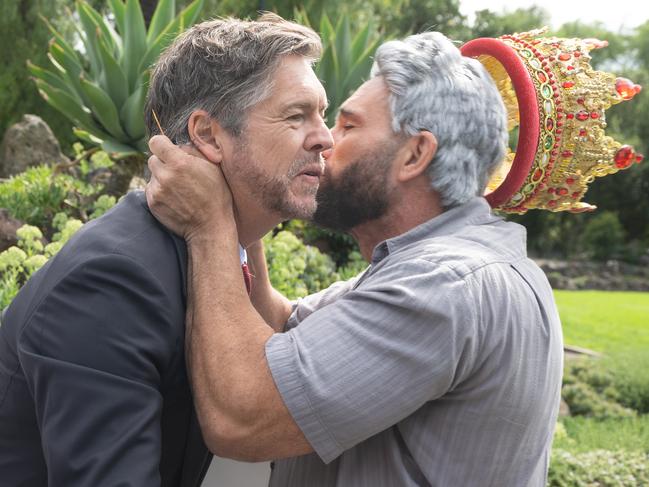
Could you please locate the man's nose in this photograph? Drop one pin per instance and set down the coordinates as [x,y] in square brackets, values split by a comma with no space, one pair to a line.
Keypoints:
[320,140]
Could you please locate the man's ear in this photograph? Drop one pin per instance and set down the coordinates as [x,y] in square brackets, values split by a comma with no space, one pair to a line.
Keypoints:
[421,149]
[207,135]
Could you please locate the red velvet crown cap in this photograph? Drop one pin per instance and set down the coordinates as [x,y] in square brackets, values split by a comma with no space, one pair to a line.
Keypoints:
[529,128]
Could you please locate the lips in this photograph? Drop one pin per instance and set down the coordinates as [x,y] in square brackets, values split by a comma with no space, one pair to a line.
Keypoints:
[314,170]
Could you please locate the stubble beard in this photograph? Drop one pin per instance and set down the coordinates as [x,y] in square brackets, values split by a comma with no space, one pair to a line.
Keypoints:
[275,193]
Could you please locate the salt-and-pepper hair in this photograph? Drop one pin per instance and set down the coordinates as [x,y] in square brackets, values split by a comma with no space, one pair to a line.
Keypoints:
[224,67]
[434,88]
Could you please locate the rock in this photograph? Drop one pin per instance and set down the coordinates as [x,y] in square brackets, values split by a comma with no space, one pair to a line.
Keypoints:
[8,227]
[27,143]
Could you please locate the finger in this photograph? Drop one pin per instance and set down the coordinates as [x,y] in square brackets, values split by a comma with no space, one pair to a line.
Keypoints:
[156,166]
[166,150]
[151,190]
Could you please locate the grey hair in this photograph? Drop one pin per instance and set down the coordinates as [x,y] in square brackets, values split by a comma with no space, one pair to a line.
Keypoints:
[434,88]
[224,67]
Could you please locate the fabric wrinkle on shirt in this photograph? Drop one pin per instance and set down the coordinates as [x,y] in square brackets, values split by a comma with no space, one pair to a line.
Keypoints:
[439,365]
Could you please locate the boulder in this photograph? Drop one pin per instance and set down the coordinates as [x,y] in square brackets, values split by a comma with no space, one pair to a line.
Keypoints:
[27,143]
[8,227]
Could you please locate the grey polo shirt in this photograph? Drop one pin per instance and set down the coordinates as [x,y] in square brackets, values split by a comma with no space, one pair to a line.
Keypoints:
[440,365]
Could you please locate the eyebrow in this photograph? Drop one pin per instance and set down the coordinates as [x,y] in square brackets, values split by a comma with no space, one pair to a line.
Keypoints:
[302,105]
[347,113]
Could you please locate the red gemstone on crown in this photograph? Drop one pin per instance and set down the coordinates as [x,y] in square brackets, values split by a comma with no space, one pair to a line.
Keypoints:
[570,181]
[568,84]
[562,191]
[594,115]
[626,88]
[624,157]
[566,153]
[582,115]
[564,56]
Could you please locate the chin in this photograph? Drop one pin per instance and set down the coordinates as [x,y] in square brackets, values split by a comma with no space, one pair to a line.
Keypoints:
[303,210]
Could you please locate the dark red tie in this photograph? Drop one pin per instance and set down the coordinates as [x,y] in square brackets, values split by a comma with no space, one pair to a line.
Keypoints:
[247,278]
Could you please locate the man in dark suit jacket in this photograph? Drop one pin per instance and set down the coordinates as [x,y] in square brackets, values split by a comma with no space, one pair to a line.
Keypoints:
[93,385]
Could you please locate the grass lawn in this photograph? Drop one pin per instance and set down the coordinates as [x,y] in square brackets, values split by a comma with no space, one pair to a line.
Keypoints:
[605,321]
[585,434]
[616,324]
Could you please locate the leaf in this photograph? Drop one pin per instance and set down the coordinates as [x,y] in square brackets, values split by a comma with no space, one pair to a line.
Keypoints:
[132,114]
[69,67]
[359,73]
[190,13]
[86,136]
[69,107]
[325,71]
[112,38]
[169,33]
[104,109]
[53,80]
[343,43]
[134,41]
[117,150]
[112,74]
[360,42]
[119,11]
[163,15]
[60,40]
[90,29]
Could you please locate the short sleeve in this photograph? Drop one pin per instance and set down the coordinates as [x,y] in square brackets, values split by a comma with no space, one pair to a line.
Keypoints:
[303,307]
[371,358]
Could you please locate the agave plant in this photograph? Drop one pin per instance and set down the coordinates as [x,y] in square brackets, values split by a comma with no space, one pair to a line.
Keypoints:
[346,57]
[103,89]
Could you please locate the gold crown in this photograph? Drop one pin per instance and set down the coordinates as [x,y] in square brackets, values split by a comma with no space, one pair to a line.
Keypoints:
[557,102]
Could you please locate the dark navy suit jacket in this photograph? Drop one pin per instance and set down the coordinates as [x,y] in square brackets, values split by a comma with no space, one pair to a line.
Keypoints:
[93,386]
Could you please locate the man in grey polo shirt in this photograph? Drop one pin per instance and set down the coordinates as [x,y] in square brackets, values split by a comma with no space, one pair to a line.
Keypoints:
[440,364]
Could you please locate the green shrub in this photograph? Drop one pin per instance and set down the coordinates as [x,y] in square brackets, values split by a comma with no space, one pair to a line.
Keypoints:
[603,236]
[629,373]
[340,246]
[589,390]
[297,269]
[41,192]
[18,263]
[598,468]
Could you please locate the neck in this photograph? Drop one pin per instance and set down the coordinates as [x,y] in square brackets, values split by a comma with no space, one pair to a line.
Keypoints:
[252,221]
[416,206]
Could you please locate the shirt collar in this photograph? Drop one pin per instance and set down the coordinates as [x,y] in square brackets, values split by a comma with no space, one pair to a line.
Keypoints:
[474,211]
